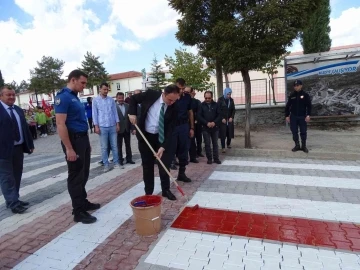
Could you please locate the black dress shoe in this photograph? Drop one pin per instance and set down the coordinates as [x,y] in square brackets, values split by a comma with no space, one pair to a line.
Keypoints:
[92,206]
[18,209]
[168,194]
[84,217]
[173,167]
[217,161]
[305,150]
[24,203]
[183,178]
[130,162]
[194,161]
[209,162]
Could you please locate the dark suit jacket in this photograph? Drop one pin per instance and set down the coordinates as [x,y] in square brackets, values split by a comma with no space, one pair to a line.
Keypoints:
[147,99]
[125,124]
[226,113]
[7,136]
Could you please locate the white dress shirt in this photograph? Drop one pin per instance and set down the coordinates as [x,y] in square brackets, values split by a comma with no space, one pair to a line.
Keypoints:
[152,118]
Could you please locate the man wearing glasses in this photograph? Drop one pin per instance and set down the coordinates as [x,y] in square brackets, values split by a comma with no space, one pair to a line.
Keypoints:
[209,117]
[297,113]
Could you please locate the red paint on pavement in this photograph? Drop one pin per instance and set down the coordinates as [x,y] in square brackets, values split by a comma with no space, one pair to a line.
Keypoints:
[285,229]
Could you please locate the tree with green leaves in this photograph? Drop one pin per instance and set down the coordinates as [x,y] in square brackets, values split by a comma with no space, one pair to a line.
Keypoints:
[2,82]
[157,75]
[190,67]
[19,88]
[46,78]
[241,35]
[271,69]
[95,70]
[316,36]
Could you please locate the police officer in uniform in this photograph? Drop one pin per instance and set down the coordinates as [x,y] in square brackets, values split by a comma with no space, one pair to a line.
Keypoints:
[73,131]
[297,113]
[184,130]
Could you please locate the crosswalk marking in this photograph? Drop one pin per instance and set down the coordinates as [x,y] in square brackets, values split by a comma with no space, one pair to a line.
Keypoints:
[313,181]
[334,211]
[28,164]
[69,248]
[14,222]
[46,182]
[304,166]
[193,250]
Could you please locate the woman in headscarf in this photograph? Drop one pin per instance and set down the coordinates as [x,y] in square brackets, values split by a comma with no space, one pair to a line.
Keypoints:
[227,111]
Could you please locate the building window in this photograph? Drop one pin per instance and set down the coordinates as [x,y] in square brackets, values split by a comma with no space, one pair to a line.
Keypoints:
[118,86]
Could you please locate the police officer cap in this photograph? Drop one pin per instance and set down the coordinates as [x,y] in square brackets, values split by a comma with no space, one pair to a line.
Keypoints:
[297,82]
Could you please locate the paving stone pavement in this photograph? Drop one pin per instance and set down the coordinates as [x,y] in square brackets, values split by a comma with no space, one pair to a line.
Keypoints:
[274,214]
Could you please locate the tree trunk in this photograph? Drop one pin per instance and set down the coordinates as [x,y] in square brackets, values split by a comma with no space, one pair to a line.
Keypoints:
[246,78]
[219,79]
[227,84]
[273,88]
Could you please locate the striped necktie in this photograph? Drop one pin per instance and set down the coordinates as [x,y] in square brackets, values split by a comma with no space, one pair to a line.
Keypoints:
[161,124]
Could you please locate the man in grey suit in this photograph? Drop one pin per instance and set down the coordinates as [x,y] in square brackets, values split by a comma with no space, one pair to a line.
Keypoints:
[125,129]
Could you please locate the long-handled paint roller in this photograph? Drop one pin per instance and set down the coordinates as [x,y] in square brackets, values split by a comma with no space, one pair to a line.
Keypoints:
[164,167]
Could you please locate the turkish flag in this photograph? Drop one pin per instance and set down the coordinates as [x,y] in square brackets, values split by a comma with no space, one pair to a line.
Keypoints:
[44,104]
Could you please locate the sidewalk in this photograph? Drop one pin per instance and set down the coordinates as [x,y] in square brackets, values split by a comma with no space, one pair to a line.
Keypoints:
[277,142]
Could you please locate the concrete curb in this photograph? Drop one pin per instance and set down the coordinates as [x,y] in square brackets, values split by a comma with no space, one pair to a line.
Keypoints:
[288,154]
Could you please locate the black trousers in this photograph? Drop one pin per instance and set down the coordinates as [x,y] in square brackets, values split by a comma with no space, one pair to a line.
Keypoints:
[43,129]
[33,131]
[227,137]
[148,158]
[195,143]
[180,144]
[211,136]
[10,176]
[295,124]
[126,137]
[78,171]
[90,121]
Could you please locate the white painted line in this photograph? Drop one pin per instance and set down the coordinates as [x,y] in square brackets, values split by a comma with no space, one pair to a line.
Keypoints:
[334,211]
[46,182]
[42,170]
[296,180]
[72,246]
[196,250]
[303,166]
[41,161]
[13,222]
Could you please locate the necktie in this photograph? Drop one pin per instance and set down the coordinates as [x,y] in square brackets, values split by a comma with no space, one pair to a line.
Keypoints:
[161,124]
[15,125]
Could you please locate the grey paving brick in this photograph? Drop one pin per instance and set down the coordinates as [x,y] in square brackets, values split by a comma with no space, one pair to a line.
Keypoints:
[288,191]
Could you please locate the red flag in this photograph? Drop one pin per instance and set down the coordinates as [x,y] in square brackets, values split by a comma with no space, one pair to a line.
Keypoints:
[44,104]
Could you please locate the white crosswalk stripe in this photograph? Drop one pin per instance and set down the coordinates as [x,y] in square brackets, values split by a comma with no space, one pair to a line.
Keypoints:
[186,249]
[305,166]
[311,181]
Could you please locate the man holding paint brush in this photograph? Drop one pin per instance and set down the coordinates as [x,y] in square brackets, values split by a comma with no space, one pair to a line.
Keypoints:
[157,120]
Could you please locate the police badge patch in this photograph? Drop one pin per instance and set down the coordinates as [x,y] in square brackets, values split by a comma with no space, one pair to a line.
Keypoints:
[57,101]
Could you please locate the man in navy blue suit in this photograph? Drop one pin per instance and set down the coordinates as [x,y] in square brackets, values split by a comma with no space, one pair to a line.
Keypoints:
[15,140]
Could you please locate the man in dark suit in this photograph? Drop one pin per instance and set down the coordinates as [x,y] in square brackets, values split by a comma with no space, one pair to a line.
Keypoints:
[15,140]
[125,129]
[157,120]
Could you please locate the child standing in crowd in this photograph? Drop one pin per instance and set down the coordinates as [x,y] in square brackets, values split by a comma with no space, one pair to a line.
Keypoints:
[30,118]
[41,122]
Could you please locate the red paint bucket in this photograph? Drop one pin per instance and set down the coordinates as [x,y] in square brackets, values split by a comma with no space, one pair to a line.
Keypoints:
[147,214]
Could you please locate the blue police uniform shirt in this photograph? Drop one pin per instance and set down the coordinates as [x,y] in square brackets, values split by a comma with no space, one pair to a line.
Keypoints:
[67,102]
[183,105]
